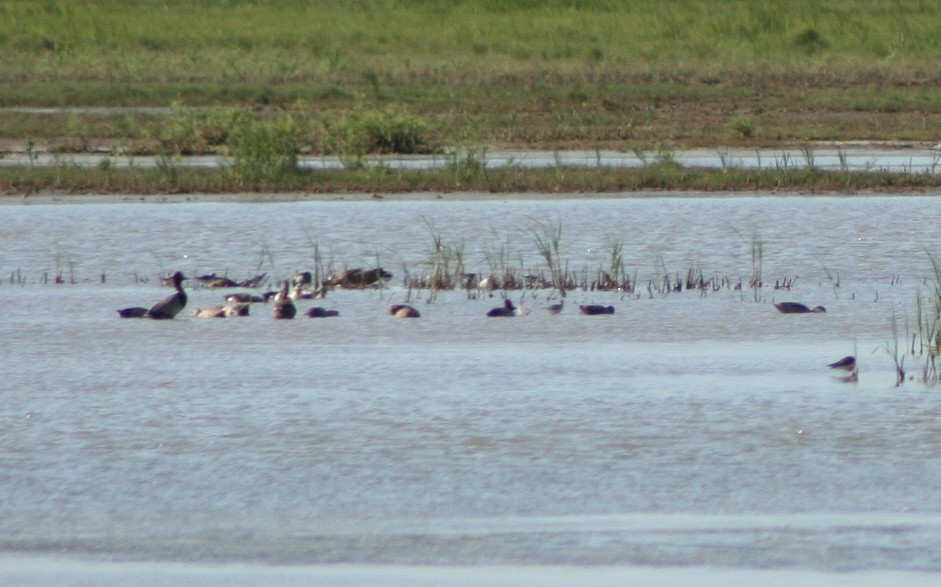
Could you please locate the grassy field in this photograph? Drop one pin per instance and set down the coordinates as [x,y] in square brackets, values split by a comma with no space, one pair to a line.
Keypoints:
[371,76]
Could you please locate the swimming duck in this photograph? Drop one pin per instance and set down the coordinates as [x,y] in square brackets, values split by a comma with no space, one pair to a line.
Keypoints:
[508,310]
[219,282]
[247,298]
[216,312]
[797,308]
[222,311]
[318,312]
[404,311]
[302,278]
[165,309]
[284,308]
[236,310]
[593,310]
[557,308]
[170,306]
[847,363]
[298,293]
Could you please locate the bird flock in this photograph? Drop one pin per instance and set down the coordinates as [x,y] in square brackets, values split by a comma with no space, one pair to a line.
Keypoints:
[284,308]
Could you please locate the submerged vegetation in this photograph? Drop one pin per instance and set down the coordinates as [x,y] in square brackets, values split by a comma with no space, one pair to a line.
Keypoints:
[352,79]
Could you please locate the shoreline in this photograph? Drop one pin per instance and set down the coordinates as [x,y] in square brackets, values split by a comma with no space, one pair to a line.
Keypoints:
[59,198]
[825,169]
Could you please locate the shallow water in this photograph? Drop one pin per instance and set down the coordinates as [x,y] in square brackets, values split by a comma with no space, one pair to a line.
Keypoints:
[850,159]
[685,429]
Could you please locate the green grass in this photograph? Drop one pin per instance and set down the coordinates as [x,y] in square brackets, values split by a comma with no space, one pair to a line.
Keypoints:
[168,177]
[142,52]
[357,77]
[325,36]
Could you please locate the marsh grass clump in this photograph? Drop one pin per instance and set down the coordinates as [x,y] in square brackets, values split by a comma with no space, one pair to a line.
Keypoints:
[757,248]
[928,315]
[467,165]
[198,131]
[548,238]
[896,352]
[265,151]
[446,261]
[497,258]
[360,132]
[743,126]
[77,136]
[615,276]
[810,41]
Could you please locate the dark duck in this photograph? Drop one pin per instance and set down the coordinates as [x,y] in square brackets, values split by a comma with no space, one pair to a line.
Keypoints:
[165,309]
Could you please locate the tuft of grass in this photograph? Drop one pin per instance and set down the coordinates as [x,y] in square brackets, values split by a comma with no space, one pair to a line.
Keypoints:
[198,131]
[896,352]
[446,261]
[810,41]
[360,132]
[757,247]
[548,239]
[743,126]
[929,324]
[467,165]
[264,151]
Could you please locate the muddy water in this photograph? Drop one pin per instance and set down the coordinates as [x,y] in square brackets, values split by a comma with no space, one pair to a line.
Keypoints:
[685,429]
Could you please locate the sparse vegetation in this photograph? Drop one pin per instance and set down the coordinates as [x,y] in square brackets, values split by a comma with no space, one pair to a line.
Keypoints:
[928,318]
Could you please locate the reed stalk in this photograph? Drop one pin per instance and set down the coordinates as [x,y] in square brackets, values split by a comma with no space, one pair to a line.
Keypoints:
[894,352]
[548,237]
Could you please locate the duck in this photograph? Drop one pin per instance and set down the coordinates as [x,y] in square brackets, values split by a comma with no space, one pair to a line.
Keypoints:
[247,298]
[318,312]
[171,305]
[166,308]
[557,308]
[847,363]
[284,308]
[797,308]
[220,282]
[508,310]
[595,310]
[222,311]
[215,312]
[234,310]
[404,311]
[298,293]
[302,278]
[136,312]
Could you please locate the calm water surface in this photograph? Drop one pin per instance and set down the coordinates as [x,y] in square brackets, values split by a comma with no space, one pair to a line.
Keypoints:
[682,430]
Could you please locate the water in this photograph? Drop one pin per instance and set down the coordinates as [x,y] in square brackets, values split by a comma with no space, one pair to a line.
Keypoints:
[850,159]
[684,436]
